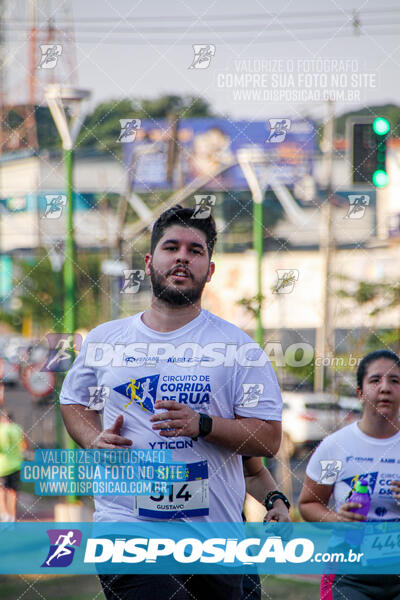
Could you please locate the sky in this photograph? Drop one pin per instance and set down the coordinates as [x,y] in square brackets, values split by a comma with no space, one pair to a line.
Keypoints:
[262,57]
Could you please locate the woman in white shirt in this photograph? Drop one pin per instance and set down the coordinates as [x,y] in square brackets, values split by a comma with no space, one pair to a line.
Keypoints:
[366,450]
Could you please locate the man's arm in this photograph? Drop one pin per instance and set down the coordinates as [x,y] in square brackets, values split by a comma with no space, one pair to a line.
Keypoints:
[244,435]
[259,482]
[85,428]
[248,436]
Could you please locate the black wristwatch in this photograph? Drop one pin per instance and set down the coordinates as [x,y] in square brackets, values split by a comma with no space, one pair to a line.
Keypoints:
[205,425]
[275,495]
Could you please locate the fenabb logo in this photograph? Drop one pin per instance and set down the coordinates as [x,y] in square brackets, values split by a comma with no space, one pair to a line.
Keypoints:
[62,547]
[192,550]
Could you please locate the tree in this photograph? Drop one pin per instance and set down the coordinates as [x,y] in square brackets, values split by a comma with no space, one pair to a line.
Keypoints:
[101,128]
[375,299]
[36,287]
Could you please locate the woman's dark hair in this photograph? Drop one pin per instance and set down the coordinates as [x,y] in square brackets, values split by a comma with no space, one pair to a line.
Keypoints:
[372,357]
[177,215]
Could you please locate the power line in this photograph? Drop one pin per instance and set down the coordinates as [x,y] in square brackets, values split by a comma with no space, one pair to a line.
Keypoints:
[233,28]
[235,40]
[229,17]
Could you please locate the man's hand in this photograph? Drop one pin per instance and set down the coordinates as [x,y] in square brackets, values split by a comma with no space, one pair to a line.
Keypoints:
[278,513]
[110,438]
[179,420]
[395,487]
[345,514]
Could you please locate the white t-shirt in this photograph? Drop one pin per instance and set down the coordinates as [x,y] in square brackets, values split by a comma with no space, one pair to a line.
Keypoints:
[348,455]
[209,364]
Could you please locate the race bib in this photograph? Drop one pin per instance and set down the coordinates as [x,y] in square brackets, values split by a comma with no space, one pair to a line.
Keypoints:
[184,499]
[383,544]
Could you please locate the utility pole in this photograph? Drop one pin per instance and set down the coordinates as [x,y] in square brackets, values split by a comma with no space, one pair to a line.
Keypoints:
[324,345]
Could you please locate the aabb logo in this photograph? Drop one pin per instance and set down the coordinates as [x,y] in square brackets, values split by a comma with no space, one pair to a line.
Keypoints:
[62,547]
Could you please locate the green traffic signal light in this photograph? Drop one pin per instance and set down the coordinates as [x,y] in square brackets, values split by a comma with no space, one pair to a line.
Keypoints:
[380,178]
[381,126]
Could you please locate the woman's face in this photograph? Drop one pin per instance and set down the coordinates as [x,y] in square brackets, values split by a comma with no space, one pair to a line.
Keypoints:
[380,393]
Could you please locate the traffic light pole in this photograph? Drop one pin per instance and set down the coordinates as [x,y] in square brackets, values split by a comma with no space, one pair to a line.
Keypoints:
[258,242]
[324,345]
[69,269]
[69,275]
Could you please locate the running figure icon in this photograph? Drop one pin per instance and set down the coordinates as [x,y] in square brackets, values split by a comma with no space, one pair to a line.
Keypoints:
[145,393]
[62,549]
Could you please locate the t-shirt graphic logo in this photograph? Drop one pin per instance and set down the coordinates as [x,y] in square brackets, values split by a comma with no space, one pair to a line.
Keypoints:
[61,551]
[370,477]
[251,394]
[330,470]
[143,391]
[98,396]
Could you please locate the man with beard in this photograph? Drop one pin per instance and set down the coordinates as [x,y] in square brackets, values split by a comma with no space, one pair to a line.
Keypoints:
[180,379]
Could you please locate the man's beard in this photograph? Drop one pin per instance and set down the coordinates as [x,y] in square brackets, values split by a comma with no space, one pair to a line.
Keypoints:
[172,295]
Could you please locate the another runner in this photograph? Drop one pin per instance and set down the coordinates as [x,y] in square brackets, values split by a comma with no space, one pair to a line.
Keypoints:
[367,450]
[12,445]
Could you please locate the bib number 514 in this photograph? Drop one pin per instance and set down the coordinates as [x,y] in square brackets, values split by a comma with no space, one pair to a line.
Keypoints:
[179,491]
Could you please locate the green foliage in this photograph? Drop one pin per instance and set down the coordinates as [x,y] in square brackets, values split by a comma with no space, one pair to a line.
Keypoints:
[304,374]
[184,106]
[48,136]
[101,128]
[252,305]
[36,288]
[377,298]
[39,291]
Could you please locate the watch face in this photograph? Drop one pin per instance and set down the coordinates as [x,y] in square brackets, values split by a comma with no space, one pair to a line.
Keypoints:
[271,498]
[205,425]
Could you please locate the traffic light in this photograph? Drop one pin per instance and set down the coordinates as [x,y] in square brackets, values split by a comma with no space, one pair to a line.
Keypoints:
[368,150]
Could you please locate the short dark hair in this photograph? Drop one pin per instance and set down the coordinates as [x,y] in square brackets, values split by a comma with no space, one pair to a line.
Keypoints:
[177,215]
[372,357]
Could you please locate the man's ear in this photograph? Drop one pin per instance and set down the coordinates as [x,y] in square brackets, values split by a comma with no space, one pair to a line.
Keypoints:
[211,270]
[147,263]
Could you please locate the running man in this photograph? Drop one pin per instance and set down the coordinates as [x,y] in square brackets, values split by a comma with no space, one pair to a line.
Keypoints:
[198,407]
